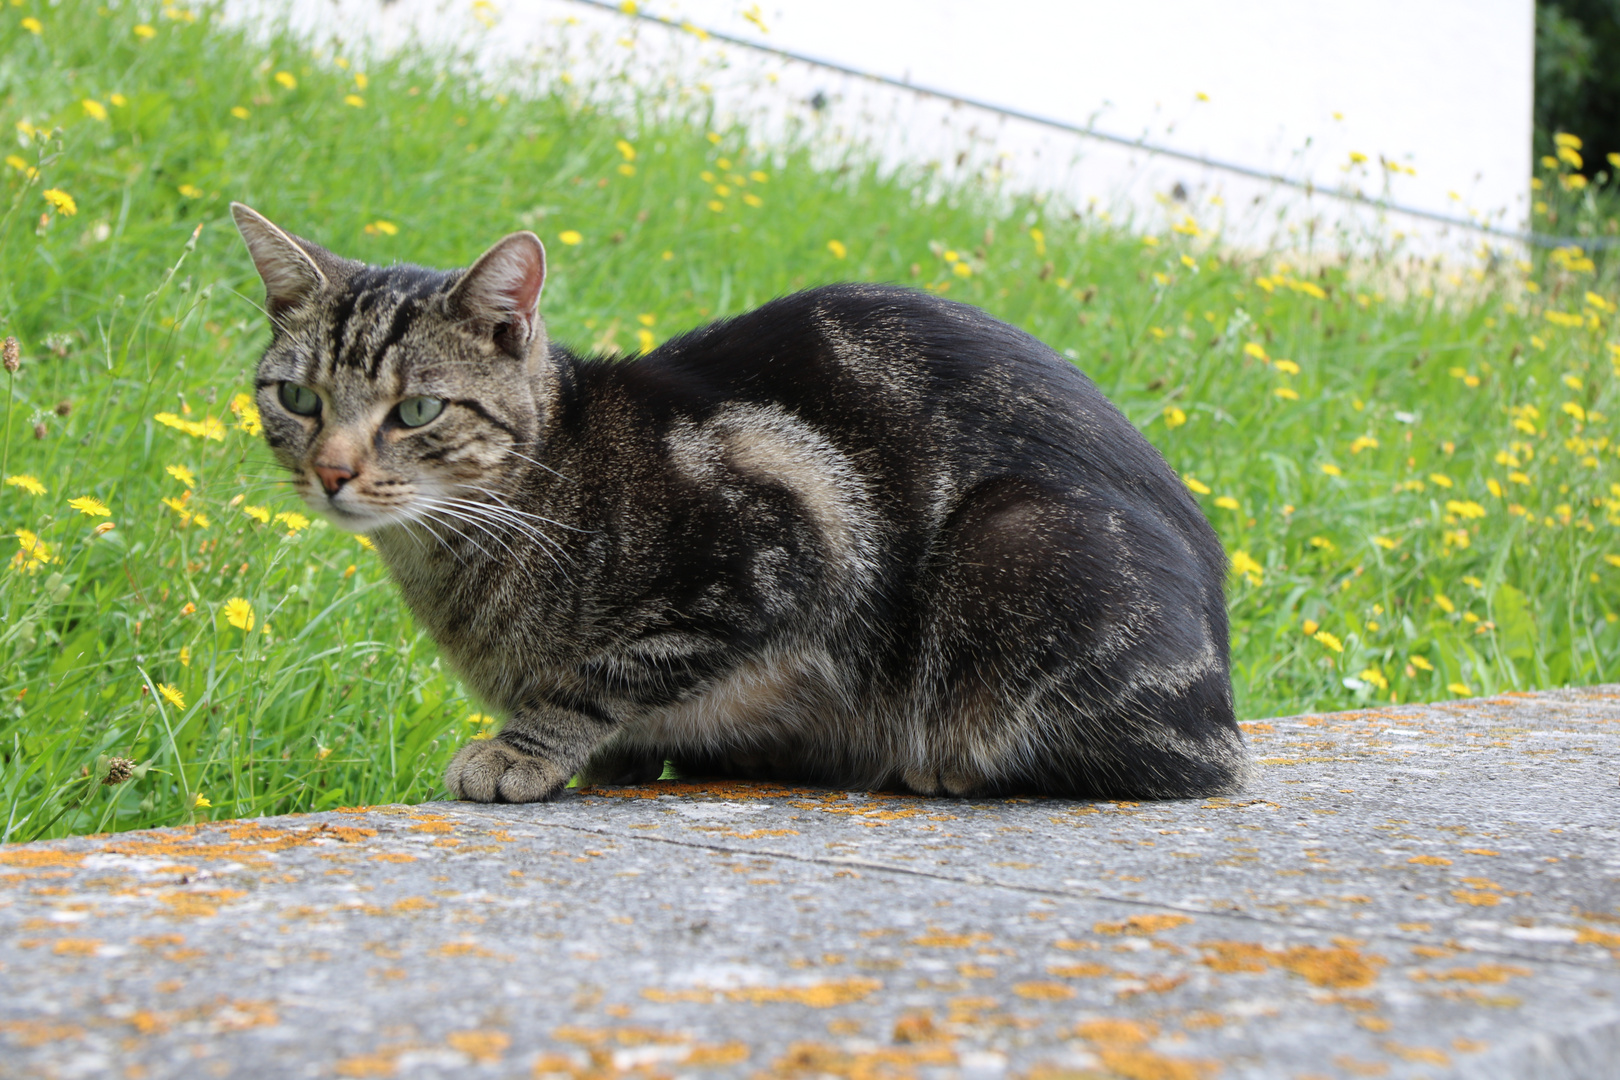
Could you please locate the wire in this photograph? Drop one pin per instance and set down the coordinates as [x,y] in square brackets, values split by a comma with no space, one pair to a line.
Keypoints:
[1535,239]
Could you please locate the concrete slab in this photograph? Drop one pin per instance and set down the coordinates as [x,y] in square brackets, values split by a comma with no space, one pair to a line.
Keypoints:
[1419,891]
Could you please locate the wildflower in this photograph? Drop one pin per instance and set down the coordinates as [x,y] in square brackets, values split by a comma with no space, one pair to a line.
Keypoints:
[285,78]
[1465,509]
[247,414]
[32,552]
[1357,158]
[33,25]
[348,571]
[240,112]
[627,169]
[1374,676]
[1255,349]
[239,613]
[175,697]
[1173,418]
[201,802]
[12,354]
[1196,485]
[1330,469]
[185,656]
[1328,641]
[119,769]
[1460,689]
[716,205]
[365,542]
[354,101]
[837,248]
[90,506]
[1386,543]
[961,269]
[479,720]
[624,148]
[1245,564]
[750,198]
[94,109]
[27,482]
[1039,238]
[261,514]
[189,609]
[570,237]
[294,521]
[1287,367]
[62,201]
[208,428]
[382,228]
[1419,662]
[644,338]
[1494,487]
[1287,393]
[190,191]
[1573,410]
[1226,502]
[1444,603]
[144,32]
[1440,480]
[1324,543]
[1457,538]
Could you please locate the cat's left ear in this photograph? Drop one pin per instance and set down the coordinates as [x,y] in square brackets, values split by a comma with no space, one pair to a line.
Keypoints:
[501,292]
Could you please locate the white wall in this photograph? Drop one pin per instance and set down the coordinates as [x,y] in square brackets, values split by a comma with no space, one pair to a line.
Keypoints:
[1440,87]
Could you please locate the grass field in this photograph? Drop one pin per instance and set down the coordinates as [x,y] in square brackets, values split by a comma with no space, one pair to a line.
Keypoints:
[1414,474]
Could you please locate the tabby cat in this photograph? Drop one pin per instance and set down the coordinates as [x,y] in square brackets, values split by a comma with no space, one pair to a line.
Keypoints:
[862,536]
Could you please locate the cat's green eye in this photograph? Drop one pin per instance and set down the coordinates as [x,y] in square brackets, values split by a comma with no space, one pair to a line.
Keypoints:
[416,411]
[300,399]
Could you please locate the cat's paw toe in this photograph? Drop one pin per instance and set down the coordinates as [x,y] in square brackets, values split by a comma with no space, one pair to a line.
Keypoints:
[491,771]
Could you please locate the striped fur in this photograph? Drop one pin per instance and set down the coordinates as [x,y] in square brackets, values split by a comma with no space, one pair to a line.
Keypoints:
[861,536]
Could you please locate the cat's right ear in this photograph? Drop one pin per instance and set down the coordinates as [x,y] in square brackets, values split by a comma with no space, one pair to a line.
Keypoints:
[292,275]
[500,293]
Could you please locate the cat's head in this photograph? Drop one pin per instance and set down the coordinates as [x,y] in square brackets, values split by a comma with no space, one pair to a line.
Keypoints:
[387,391]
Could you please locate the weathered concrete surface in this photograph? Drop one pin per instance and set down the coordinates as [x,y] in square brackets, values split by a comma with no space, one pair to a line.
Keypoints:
[1421,891]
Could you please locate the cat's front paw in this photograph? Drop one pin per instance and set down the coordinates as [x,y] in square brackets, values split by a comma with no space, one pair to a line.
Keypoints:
[491,771]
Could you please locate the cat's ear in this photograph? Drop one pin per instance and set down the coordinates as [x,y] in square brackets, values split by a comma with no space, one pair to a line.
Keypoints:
[291,268]
[500,293]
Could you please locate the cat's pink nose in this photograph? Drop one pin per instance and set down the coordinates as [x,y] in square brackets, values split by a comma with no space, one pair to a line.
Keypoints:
[334,476]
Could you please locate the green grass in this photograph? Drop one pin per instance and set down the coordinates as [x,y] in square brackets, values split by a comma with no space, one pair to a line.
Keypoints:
[1426,508]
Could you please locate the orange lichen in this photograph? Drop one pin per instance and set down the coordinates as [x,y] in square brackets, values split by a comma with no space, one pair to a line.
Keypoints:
[819,1059]
[1043,991]
[731,1053]
[1430,860]
[919,1027]
[1475,899]
[483,1046]
[1147,1065]
[939,940]
[1342,967]
[1116,1033]
[1078,971]
[1143,924]
[1484,973]
[198,903]
[31,1033]
[1426,1055]
[462,948]
[822,995]
[76,947]
[393,857]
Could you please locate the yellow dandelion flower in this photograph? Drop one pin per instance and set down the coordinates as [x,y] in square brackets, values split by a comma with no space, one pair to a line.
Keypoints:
[753,200]
[1494,487]
[1612,560]
[27,483]
[1574,410]
[961,269]
[185,656]
[1465,509]
[716,205]
[1287,367]
[190,191]
[479,720]
[1420,663]
[1310,626]
[94,109]
[1460,689]
[1174,417]
[1226,502]
[294,521]
[32,552]
[1443,602]
[361,81]
[33,25]
[247,414]
[182,474]
[61,200]
[261,514]
[1385,542]
[285,78]
[176,698]
[354,101]
[758,177]
[624,147]
[1328,641]
[382,228]
[626,169]
[201,802]
[239,613]
[90,506]
[1363,442]
[207,428]
[118,100]
[240,112]
[837,248]
[1330,469]
[1287,393]
[1196,485]
[1440,480]
[1245,564]
[1374,676]
[645,339]
[144,32]
[1255,349]
[365,542]
[570,237]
